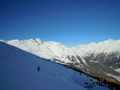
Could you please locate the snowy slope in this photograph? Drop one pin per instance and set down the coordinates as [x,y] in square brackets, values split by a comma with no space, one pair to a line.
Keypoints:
[48,50]
[106,53]
[118,70]
[107,46]
[56,50]
[18,72]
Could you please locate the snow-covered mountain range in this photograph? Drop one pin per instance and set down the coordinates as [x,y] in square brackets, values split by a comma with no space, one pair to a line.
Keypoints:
[18,72]
[96,59]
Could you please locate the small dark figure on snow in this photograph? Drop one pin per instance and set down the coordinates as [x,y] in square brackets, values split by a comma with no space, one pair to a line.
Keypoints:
[38,69]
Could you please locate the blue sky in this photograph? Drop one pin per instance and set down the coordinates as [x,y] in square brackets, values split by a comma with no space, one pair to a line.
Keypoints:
[70,22]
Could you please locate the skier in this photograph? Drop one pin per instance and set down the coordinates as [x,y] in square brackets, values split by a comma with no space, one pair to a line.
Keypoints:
[38,69]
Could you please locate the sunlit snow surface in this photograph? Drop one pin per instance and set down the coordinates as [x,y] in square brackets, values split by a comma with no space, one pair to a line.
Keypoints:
[52,49]
[18,72]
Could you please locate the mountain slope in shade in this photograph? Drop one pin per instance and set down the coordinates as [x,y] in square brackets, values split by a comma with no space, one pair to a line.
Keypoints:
[81,57]
[18,72]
